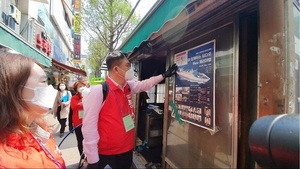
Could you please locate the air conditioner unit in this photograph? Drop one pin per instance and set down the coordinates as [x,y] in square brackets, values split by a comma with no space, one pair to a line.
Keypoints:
[36,35]
[15,13]
[31,30]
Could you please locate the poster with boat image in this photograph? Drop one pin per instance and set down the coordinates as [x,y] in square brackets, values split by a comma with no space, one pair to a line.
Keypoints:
[194,85]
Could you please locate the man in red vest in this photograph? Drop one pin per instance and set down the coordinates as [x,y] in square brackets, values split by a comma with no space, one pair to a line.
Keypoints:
[108,127]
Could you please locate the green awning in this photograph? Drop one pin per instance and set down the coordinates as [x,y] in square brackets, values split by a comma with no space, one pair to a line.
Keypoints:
[167,10]
[9,39]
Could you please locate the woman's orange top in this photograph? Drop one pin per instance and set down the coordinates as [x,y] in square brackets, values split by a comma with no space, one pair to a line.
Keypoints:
[25,151]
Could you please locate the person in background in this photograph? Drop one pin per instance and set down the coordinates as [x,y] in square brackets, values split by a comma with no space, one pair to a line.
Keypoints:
[77,107]
[70,122]
[25,98]
[62,106]
[108,127]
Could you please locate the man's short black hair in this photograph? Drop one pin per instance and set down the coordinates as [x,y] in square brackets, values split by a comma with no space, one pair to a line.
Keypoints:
[114,58]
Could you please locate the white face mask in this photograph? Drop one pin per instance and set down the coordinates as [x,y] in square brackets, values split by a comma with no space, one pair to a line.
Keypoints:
[44,97]
[62,87]
[129,74]
[80,90]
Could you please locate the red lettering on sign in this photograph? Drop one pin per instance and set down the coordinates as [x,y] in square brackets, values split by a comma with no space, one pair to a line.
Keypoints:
[39,43]
[43,44]
[49,49]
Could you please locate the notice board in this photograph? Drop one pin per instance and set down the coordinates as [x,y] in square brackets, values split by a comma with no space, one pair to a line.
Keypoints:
[195,85]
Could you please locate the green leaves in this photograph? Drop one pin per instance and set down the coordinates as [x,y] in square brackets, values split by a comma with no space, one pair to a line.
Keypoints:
[104,21]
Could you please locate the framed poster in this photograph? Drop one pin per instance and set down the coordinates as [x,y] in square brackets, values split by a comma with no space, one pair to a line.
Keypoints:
[195,85]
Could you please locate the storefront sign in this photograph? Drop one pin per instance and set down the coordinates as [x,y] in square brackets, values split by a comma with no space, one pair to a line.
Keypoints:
[43,44]
[77,31]
[195,85]
[77,47]
[77,23]
[77,5]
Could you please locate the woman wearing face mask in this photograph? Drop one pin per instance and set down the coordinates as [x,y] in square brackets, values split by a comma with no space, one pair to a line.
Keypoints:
[63,106]
[25,98]
[76,105]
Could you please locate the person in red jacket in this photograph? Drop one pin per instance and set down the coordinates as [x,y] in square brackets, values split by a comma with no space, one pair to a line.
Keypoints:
[77,108]
[108,127]
[25,137]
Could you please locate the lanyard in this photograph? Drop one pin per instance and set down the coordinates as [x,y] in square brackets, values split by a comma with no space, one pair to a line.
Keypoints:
[119,106]
[49,155]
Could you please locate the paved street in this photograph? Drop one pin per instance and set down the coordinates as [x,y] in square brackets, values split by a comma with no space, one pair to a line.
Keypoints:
[68,146]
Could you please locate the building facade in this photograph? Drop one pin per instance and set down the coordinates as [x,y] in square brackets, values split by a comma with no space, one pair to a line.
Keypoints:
[41,29]
[237,62]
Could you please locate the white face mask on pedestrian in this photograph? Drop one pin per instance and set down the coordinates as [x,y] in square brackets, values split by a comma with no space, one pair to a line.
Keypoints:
[81,89]
[62,87]
[44,97]
[129,74]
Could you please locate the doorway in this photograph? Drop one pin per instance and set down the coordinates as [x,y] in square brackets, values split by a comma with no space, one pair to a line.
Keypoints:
[248,84]
[150,112]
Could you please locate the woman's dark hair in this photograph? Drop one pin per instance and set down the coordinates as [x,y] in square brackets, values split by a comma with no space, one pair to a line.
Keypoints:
[15,70]
[114,59]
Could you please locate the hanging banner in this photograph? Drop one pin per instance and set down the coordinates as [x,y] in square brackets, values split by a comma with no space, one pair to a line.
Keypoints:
[195,85]
[77,5]
[77,31]
[77,47]
[77,23]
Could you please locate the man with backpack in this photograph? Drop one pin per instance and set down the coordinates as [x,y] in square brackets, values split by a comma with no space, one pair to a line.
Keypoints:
[108,124]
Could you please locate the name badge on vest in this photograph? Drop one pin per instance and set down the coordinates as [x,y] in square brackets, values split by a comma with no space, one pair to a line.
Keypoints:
[128,123]
[80,114]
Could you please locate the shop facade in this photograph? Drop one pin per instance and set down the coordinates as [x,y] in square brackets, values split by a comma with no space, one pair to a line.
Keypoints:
[237,61]
[35,29]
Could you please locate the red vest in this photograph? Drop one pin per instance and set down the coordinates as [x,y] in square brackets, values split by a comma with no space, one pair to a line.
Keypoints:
[76,105]
[113,137]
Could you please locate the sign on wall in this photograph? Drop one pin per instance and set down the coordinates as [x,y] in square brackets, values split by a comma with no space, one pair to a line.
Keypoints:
[195,85]
[77,5]
[77,23]
[77,31]
[77,46]
[43,44]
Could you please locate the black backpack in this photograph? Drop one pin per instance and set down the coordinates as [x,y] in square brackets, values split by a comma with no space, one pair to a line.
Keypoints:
[104,90]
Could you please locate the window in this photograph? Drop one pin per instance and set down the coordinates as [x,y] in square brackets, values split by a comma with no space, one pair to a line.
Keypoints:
[156,94]
[199,148]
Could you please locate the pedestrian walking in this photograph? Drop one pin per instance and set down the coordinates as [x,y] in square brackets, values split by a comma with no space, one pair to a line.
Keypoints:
[62,107]
[77,107]
[70,121]
[25,141]
[108,127]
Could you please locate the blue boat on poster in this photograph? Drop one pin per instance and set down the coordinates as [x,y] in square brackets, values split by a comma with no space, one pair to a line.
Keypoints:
[193,76]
